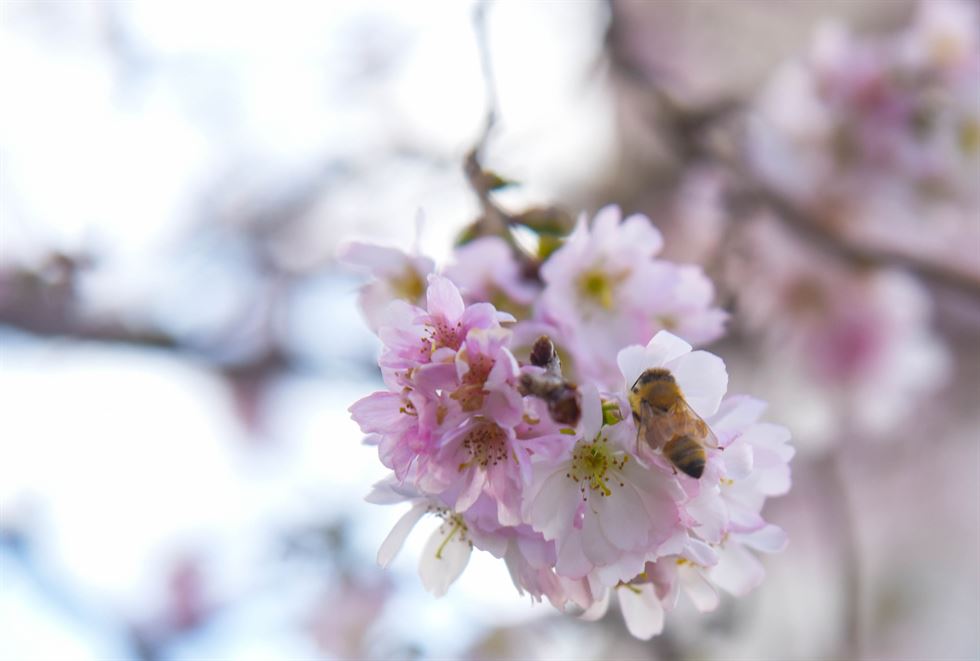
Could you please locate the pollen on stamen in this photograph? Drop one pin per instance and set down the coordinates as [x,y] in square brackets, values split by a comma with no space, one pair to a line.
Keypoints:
[591,463]
[486,443]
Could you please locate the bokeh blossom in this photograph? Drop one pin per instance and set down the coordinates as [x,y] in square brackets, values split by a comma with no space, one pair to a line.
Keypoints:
[396,275]
[857,340]
[881,134]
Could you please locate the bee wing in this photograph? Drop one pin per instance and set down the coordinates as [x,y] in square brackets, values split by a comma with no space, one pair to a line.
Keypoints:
[685,420]
[657,427]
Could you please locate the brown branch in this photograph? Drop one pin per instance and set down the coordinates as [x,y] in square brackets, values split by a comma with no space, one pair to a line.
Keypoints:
[46,306]
[836,242]
[689,132]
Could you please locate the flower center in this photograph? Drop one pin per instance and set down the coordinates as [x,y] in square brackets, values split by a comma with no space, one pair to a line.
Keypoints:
[444,334]
[599,286]
[409,285]
[486,444]
[591,466]
[470,394]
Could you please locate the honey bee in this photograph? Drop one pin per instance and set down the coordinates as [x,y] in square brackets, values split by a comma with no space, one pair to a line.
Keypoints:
[665,421]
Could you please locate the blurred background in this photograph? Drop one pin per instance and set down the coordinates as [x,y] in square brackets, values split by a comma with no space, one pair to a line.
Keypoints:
[179,476]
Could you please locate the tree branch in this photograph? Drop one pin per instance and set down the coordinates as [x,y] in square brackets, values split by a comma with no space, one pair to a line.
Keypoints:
[689,132]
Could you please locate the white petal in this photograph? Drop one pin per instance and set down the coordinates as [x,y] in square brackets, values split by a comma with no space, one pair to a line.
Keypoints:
[572,562]
[597,548]
[371,257]
[598,608]
[396,538]
[576,590]
[737,459]
[632,362]
[770,539]
[702,594]
[642,611]
[737,413]
[591,411]
[443,561]
[606,220]
[709,510]
[390,491]
[774,481]
[641,234]
[544,504]
[621,517]
[703,379]
[737,571]
[700,553]
[665,347]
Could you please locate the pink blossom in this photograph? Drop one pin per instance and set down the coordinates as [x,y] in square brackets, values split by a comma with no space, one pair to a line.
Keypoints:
[605,290]
[397,276]
[485,270]
[580,513]
[599,504]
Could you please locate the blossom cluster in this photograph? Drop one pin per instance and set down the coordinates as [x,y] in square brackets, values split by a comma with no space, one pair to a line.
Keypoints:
[854,340]
[506,415]
[879,128]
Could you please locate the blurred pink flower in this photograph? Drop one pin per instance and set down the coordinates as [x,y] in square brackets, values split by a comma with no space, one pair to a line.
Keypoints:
[397,276]
[485,270]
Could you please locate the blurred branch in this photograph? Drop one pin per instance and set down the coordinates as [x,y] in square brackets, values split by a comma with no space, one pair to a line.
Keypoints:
[836,242]
[709,134]
[494,220]
[840,509]
[44,303]
[489,81]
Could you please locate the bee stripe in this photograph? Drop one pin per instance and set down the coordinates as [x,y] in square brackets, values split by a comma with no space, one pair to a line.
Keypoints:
[686,454]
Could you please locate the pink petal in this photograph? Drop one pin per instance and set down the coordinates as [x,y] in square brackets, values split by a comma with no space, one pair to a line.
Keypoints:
[444,298]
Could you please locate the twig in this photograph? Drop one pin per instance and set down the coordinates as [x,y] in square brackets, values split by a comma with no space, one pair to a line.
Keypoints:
[489,84]
[494,220]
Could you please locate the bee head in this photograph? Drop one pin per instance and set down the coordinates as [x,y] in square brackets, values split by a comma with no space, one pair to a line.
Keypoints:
[652,375]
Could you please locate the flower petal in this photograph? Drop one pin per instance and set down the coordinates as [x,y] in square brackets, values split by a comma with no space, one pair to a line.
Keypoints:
[737,460]
[379,412]
[396,538]
[665,347]
[444,298]
[598,608]
[591,411]
[702,594]
[443,560]
[632,362]
[737,571]
[769,539]
[642,611]
[703,379]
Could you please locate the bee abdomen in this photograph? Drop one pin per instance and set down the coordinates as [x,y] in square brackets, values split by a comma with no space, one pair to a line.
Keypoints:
[687,454]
